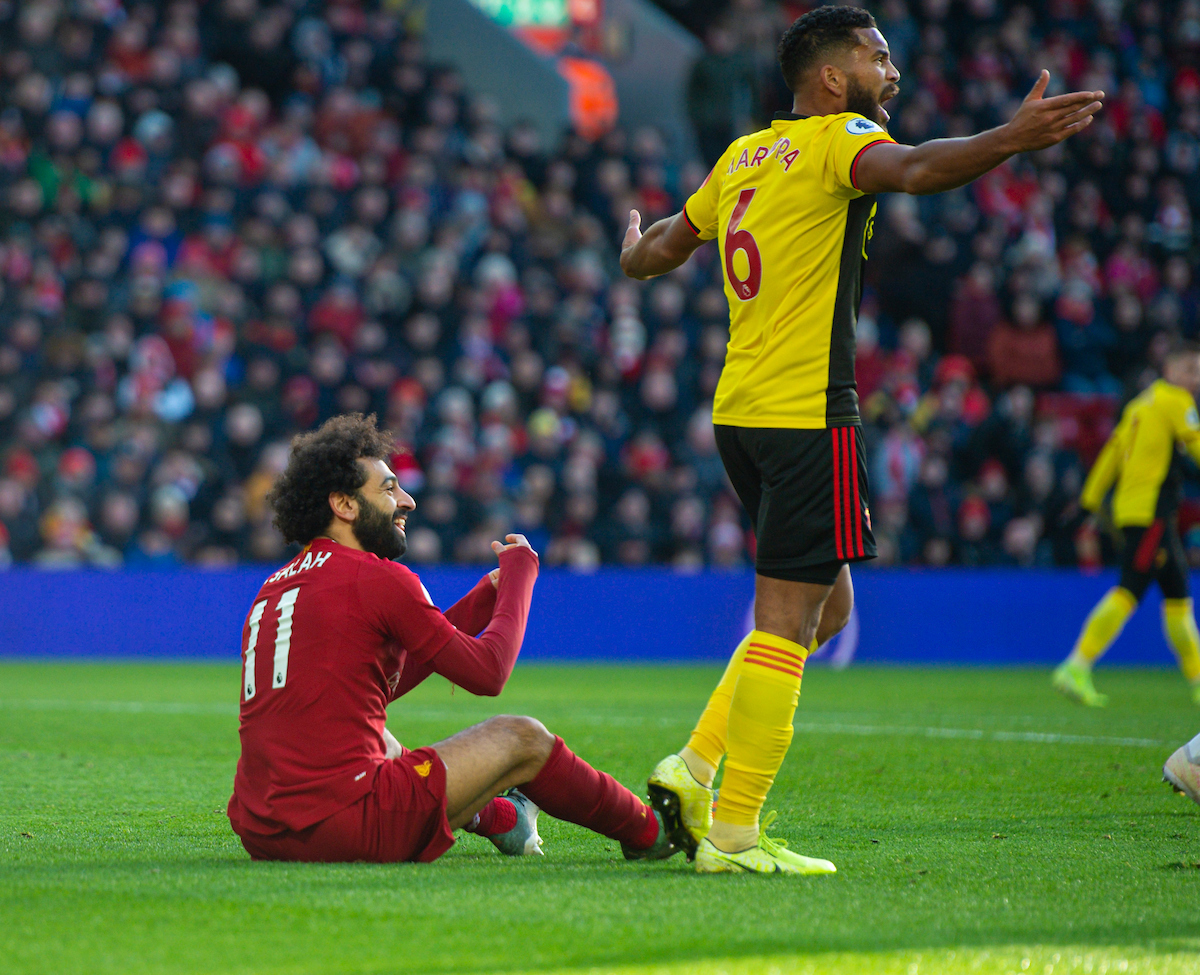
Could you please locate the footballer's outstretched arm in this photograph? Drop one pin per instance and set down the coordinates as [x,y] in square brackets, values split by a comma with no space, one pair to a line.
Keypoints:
[944,164]
[667,244]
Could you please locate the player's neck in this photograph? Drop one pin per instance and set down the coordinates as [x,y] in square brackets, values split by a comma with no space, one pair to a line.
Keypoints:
[816,103]
[342,534]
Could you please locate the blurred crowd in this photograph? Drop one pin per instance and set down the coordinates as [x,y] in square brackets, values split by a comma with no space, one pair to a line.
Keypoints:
[226,221]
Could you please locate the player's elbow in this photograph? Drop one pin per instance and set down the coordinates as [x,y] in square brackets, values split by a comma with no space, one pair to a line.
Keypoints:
[491,683]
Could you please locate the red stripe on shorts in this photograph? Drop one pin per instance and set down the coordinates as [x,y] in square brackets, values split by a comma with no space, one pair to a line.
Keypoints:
[1143,559]
[857,504]
[837,494]
[846,491]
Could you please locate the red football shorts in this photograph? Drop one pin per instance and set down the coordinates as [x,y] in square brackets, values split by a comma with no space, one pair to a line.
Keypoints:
[402,818]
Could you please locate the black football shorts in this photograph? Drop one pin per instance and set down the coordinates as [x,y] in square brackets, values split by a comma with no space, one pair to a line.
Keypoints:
[806,494]
[1154,554]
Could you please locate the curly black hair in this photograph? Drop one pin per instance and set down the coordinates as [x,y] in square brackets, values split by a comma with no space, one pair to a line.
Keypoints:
[323,461]
[814,34]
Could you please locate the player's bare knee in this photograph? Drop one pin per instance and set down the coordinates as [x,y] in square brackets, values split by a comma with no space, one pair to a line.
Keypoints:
[536,738]
[529,736]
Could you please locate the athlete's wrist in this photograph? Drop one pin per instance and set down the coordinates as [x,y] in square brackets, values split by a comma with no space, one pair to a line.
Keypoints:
[1004,139]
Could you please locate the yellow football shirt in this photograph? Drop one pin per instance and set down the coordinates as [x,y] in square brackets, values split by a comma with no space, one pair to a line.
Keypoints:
[1140,456]
[793,230]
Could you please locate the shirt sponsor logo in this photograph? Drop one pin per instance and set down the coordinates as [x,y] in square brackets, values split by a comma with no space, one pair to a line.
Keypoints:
[862,126]
[423,769]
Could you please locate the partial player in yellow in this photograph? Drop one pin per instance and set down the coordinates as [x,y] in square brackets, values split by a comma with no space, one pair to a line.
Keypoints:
[792,208]
[1143,459]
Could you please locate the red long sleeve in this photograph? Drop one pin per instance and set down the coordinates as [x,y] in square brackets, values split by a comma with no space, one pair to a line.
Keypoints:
[470,614]
[474,611]
[482,666]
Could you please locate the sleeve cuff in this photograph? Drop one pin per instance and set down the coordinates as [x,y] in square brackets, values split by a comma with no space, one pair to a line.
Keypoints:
[858,156]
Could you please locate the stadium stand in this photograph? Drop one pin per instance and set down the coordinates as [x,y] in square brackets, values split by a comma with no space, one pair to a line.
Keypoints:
[226,221]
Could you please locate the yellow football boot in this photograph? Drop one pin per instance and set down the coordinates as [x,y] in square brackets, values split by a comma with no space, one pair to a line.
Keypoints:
[673,791]
[770,856]
[1075,682]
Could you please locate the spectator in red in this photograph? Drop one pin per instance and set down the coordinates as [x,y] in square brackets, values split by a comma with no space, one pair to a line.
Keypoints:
[1025,352]
[974,312]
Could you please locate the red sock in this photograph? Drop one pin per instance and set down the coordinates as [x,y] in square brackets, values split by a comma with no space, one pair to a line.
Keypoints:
[498,816]
[568,788]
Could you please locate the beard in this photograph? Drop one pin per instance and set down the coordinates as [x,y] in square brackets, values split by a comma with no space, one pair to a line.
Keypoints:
[376,532]
[862,102]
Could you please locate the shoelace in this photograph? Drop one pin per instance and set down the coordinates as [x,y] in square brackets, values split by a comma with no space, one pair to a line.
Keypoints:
[769,844]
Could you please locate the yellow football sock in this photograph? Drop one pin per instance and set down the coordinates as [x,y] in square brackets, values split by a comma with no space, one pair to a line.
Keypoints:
[708,739]
[1104,624]
[1179,626]
[759,726]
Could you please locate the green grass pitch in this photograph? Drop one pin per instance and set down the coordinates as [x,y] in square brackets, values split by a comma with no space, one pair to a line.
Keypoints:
[979,824]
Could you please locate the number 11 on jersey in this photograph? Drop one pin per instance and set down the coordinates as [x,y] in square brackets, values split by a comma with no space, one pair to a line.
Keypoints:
[286,607]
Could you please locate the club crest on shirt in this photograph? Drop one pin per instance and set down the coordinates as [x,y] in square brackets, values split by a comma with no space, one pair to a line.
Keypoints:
[861,126]
[423,769]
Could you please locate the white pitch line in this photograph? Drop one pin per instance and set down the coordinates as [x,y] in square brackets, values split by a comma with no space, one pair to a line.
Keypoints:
[977,734]
[615,720]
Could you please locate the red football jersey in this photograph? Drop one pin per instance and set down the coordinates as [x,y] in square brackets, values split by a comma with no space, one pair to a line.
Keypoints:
[323,648]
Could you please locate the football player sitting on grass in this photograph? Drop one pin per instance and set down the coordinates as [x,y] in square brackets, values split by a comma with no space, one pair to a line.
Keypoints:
[340,632]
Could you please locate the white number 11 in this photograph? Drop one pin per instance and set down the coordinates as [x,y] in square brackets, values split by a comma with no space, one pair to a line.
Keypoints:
[283,640]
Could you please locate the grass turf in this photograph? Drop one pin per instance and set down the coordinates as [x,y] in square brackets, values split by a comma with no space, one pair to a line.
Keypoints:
[979,823]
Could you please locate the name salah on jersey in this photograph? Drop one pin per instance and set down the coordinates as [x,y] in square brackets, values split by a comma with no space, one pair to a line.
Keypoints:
[298,565]
[309,561]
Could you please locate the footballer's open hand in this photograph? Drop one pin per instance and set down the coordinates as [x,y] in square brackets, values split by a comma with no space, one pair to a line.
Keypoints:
[1044,122]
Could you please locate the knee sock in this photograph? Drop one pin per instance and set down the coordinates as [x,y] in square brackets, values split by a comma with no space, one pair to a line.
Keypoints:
[1179,626]
[706,747]
[760,731]
[498,816]
[568,788]
[1104,624]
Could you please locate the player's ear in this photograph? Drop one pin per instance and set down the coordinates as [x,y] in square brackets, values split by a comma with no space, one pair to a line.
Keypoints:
[344,506]
[833,80]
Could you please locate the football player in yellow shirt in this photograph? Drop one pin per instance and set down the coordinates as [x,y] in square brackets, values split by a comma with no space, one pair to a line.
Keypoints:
[792,208]
[1143,460]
